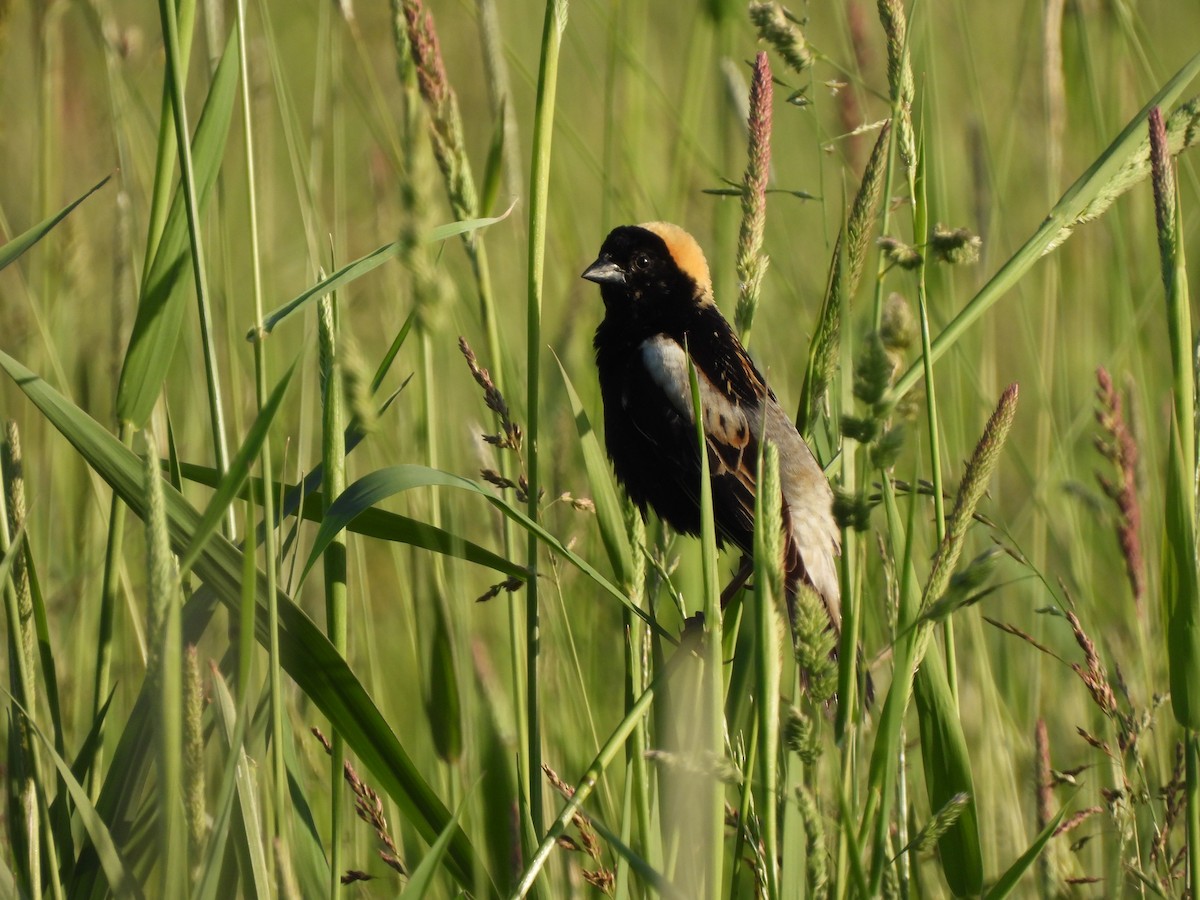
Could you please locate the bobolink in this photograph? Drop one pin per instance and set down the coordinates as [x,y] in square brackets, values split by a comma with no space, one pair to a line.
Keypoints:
[658,309]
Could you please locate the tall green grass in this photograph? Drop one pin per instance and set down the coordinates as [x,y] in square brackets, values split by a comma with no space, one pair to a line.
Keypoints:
[191,712]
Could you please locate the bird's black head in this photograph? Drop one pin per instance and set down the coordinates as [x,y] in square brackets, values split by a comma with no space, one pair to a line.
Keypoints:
[644,270]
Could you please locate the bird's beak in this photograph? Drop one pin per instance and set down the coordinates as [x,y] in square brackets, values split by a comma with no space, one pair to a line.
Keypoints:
[604,271]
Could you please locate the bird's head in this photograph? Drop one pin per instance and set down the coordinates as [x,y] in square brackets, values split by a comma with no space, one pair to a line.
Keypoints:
[644,269]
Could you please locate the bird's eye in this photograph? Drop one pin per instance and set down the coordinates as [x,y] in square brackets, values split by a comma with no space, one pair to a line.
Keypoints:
[641,262]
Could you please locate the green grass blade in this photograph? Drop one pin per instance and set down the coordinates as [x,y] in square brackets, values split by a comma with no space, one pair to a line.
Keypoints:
[308,657]
[384,483]
[1066,211]
[947,763]
[609,514]
[247,790]
[116,869]
[1014,873]
[163,297]
[239,470]
[421,880]
[375,523]
[360,267]
[13,249]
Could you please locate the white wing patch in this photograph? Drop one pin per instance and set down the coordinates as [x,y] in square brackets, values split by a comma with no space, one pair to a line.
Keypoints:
[805,489]
[667,363]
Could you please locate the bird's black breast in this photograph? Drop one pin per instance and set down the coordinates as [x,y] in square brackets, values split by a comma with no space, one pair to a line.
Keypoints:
[652,445]
[653,448]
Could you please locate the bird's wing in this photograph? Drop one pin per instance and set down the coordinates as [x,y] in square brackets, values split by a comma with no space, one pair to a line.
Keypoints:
[733,431]
[733,451]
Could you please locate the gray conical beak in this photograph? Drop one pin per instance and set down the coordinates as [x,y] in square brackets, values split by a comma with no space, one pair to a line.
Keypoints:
[604,271]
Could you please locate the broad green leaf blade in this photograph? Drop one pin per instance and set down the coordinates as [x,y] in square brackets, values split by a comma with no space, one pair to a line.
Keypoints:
[604,492]
[1006,882]
[239,471]
[360,267]
[375,523]
[947,763]
[344,275]
[116,870]
[12,250]
[421,879]
[1181,588]
[383,483]
[310,660]
[164,289]
[466,226]
[1065,212]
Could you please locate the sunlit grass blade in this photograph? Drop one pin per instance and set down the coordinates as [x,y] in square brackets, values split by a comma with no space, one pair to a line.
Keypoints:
[422,878]
[609,514]
[163,295]
[376,523]
[239,470]
[307,656]
[116,868]
[360,267]
[1014,873]
[246,787]
[1084,191]
[384,483]
[12,250]
[947,761]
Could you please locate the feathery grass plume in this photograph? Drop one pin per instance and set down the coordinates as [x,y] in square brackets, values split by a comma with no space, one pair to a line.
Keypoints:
[510,436]
[898,253]
[802,735]
[936,827]
[415,184]
[954,246]
[970,492]
[356,384]
[900,77]
[751,261]
[589,843]
[1043,786]
[865,210]
[778,28]
[897,326]
[815,644]
[193,755]
[369,807]
[1121,450]
[1094,675]
[1181,131]
[1163,178]
[449,147]
[163,578]
[13,469]
[814,843]
[844,277]
[872,371]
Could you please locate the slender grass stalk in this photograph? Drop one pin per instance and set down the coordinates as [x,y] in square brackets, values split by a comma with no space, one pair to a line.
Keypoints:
[165,667]
[175,74]
[333,465]
[711,694]
[768,583]
[591,777]
[278,771]
[539,180]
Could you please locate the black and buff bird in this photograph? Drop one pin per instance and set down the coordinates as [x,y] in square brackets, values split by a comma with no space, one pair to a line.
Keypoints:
[658,311]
